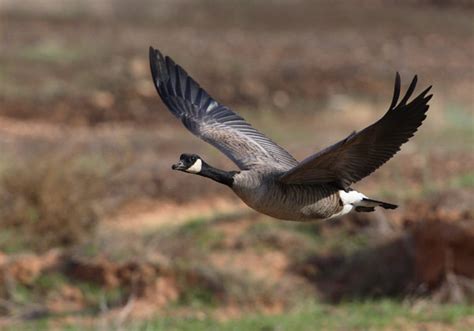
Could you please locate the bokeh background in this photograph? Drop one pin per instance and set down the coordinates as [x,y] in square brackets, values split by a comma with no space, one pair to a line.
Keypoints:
[97,233]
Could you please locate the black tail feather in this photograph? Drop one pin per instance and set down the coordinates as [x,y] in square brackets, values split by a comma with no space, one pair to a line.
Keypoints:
[373,203]
[362,209]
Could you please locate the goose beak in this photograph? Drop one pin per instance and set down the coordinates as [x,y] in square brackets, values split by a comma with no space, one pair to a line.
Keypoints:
[178,166]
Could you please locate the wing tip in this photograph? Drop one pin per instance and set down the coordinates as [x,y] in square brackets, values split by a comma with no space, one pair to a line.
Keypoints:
[423,96]
[155,55]
[410,90]
[428,98]
[152,59]
[425,92]
[396,91]
[156,66]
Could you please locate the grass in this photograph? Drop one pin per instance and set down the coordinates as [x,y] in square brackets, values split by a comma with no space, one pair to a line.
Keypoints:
[204,286]
[48,286]
[308,236]
[51,51]
[369,315]
[97,296]
[462,181]
[200,233]
[357,315]
[194,238]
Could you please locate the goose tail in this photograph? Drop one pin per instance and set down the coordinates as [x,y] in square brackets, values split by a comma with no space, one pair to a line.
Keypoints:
[368,205]
[361,203]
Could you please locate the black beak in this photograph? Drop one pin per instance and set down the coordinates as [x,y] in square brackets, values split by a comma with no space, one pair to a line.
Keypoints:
[178,166]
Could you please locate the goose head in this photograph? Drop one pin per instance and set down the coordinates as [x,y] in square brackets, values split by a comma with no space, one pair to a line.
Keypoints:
[191,163]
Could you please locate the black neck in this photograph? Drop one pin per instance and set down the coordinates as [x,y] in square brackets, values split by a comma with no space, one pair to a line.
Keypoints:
[220,176]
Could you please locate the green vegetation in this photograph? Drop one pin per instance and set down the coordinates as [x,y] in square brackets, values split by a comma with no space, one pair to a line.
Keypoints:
[97,296]
[50,52]
[305,238]
[463,181]
[199,234]
[366,315]
[371,315]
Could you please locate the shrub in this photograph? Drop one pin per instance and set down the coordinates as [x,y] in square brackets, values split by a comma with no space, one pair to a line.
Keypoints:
[49,201]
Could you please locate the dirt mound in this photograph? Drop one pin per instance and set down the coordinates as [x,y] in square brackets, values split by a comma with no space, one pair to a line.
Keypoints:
[433,253]
[137,279]
[443,247]
[25,268]
[383,270]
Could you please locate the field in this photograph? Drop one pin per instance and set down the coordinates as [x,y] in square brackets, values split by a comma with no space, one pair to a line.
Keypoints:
[97,232]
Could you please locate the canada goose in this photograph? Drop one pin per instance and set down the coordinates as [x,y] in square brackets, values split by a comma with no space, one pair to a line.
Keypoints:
[270,180]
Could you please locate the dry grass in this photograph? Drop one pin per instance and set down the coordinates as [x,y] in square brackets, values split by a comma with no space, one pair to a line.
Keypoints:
[49,202]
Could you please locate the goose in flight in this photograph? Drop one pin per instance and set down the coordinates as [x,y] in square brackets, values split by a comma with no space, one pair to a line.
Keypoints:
[270,180]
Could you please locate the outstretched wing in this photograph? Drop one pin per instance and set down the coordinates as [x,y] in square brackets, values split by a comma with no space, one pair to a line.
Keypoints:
[213,122]
[361,153]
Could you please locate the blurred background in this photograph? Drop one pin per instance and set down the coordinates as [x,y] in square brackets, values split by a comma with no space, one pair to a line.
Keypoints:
[98,233]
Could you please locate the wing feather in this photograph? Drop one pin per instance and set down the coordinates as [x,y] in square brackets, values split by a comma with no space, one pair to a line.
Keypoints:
[213,122]
[361,153]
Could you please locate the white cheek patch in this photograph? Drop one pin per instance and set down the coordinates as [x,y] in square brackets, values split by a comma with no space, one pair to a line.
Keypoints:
[196,167]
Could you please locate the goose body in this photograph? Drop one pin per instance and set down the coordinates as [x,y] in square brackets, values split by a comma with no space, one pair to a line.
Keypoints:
[263,192]
[272,181]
